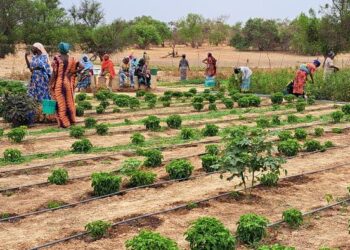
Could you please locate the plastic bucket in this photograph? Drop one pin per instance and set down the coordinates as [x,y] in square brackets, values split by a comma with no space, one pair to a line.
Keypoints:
[154,72]
[49,107]
[209,82]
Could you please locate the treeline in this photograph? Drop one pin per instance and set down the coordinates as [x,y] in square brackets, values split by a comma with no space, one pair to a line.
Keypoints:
[29,21]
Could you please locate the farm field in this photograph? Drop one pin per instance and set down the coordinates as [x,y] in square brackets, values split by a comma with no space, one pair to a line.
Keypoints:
[34,212]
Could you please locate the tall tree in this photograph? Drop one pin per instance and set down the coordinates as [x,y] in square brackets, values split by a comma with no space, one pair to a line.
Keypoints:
[89,13]
[191,29]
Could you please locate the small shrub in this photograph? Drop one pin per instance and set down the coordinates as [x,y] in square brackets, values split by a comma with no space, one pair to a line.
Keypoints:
[337,116]
[212,98]
[79,111]
[337,130]
[1,132]
[193,91]
[154,158]
[54,204]
[58,176]
[212,149]
[147,240]
[188,94]
[289,147]
[116,110]
[209,162]
[174,121]
[244,102]
[254,100]
[122,101]
[276,120]
[228,103]
[90,122]
[197,98]
[312,146]
[285,135]
[86,105]
[100,109]
[134,103]
[328,144]
[300,106]
[289,98]
[137,139]
[311,100]
[179,169]
[319,132]
[251,228]
[300,134]
[263,122]
[346,109]
[82,146]
[275,247]
[166,104]
[80,97]
[102,129]
[269,179]
[209,233]
[105,183]
[97,229]
[293,217]
[104,104]
[142,178]
[277,98]
[187,133]
[292,119]
[17,134]
[152,123]
[177,94]
[140,93]
[12,155]
[76,131]
[236,96]
[129,166]
[101,95]
[212,107]
[198,106]
[150,96]
[210,130]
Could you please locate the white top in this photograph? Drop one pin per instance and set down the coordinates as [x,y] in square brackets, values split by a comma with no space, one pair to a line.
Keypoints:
[328,66]
[246,72]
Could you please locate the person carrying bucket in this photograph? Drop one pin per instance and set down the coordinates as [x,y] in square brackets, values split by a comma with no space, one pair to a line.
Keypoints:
[246,77]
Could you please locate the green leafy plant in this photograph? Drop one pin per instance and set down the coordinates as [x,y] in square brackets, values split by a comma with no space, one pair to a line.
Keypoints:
[276,120]
[289,147]
[104,104]
[17,134]
[134,103]
[251,228]
[97,229]
[285,135]
[319,132]
[211,98]
[129,166]
[212,107]
[137,139]
[198,106]
[300,134]
[166,104]
[228,103]
[269,179]
[289,98]
[100,109]
[122,101]
[58,176]
[300,106]
[86,105]
[209,163]
[312,146]
[311,100]
[12,155]
[337,116]
[141,178]
[293,217]
[76,131]
[193,90]
[152,123]
[209,233]
[187,133]
[102,129]
[212,149]
[54,204]
[292,119]
[105,183]
[79,111]
[151,103]
[275,247]
[174,121]
[140,93]
[244,102]
[1,132]
[80,97]
[346,109]
[154,158]
[277,98]
[82,146]
[90,122]
[254,100]
[263,122]
[150,240]
[328,144]
[210,130]
[179,169]
[337,130]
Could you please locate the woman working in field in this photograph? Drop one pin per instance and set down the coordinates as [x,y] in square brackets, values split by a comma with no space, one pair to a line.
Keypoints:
[84,77]
[304,71]
[64,69]
[184,66]
[329,67]
[107,69]
[210,61]
[246,77]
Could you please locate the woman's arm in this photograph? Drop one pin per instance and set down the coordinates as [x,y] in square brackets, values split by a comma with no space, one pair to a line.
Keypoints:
[27,61]
[312,78]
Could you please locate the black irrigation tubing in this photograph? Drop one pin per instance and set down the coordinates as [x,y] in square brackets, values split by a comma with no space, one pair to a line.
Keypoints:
[182,207]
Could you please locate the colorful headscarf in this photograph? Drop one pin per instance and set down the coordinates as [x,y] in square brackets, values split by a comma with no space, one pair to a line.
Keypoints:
[64,48]
[317,63]
[87,63]
[40,47]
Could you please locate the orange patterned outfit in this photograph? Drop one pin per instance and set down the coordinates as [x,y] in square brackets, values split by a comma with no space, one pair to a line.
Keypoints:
[301,77]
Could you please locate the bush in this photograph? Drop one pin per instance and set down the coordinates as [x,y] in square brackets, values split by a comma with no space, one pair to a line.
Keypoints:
[142,178]
[102,129]
[289,98]
[54,204]
[211,98]
[293,217]
[1,132]
[100,109]
[300,134]
[97,229]
[86,105]
[300,106]
[137,139]
[116,110]
[263,122]
[277,98]
[251,228]
[79,111]
[197,98]
[312,146]
[122,101]
[152,123]
[289,147]
[17,134]
[179,169]
[58,176]
[187,133]
[292,119]
[193,90]
[166,104]
[236,96]
[209,233]
[337,130]
[140,93]
[346,109]
[270,179]
[129,166]
[154,158]
[311,100]
[104,104]
[228,103]
[90,122]
[285,135]
[188,94]
[244,102]
[150,96]
[198,106]
[12,155]
[210,130]
[134,103]
[80,97]
[147,240]
[76,131]
[276,120]
[328,144]
[82,146]
[212,149]
[337,116]
[212,107]
[254,100]
[275,247]
[102,95]
[319,132]
[208,162]
[105,183]
[174,121]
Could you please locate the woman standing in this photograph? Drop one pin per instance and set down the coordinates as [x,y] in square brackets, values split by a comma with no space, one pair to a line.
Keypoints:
[62,83]
[304,71]
[210,61]
[183,67]
[329,67]
[107,69]
[84,77]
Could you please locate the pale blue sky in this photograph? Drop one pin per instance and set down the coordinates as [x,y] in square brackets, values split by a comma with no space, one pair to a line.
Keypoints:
[166,10]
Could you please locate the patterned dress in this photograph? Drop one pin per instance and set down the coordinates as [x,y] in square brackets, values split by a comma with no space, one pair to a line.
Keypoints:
[301,77]
[38,87]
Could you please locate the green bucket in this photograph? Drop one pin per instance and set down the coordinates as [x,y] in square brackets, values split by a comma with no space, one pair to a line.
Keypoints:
[49,107]
[154,72]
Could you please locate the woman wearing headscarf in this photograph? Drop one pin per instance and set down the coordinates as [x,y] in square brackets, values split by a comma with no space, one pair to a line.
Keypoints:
[210,61]
[184,66]
[62,84]
[124,72]
[142,73]
[304,71]
[107,69]
[84,77]
[329,67]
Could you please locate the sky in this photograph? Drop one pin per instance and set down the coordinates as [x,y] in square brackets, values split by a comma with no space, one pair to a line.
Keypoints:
[237,11]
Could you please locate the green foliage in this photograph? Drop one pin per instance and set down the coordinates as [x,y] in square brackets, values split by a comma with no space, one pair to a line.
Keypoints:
[154,158]
[337,116]
[179,169]
[140,93]
[312,145]
[102,95]
[166,104]
[174,121]
[212,107]
[134,103]
[337,130]
[210,130]
[1,132]
[319,132]
[193,90]
[263,122]
[122,101]
[104,104]
[228,103]
[328,144]
[79,111]
[142,178]
[277,98]
[129,166]
[17,134]
[102,129]
[293,217]
[76,131]
[82,146]
[209,233]
[275,247]
[150,240]
[244,102]
[275,120]
[197,98]
[289,147]
[300,134]
[150,96]
[90,122]
[346,109]
[80,97]
[211,98]
[251,228]
[292,119]
[12,155]
[100,109]
[187,133]
[212,149]
[285,135]
[311,100]
[209,163]
[198,106]
[289,98]
[97,229]
[137,139]
[86,105]
[58,176]
[269,179]
[300,106]
[152,123]
[54,204]
[105,183]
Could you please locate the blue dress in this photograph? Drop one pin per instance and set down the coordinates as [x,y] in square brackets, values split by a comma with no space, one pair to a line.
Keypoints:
[38,87]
